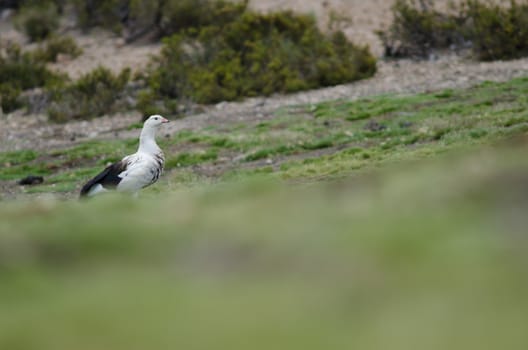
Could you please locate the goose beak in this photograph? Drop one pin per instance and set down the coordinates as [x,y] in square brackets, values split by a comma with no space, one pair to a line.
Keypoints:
[165,120]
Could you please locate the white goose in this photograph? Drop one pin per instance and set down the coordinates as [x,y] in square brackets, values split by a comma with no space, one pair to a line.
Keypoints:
[135,171]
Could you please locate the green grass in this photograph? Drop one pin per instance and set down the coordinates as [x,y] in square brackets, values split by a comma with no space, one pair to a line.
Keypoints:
[429,253]
[307,142]
[63,169]
[14,158]
[187,159]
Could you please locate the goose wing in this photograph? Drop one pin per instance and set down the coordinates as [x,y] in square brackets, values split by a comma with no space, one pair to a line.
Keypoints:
[107,179]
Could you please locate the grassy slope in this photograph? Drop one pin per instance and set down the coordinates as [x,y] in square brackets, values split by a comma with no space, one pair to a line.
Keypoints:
[307,142]
[426,255]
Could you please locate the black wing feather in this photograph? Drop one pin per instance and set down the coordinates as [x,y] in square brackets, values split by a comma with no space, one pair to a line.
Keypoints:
[108,178]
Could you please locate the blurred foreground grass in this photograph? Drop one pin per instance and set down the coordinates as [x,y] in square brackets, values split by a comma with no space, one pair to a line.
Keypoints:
[422,255]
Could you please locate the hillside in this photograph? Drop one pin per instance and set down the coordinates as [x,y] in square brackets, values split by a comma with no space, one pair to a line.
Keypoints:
[301,141]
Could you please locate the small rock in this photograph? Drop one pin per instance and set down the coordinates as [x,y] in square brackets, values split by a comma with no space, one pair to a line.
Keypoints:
[260,104]
[6,14]
[63,58]
[31,180]
[239,158]
[120,42]
[374,126]
[222,105]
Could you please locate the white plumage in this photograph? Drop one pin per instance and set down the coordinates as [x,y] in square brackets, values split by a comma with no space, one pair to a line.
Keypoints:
[135,171]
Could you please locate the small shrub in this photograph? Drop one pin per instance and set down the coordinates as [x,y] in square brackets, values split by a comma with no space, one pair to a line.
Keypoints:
[491,30]
[147,104]
[18,72]
[418,29]
[180,15]
[94,94]
[106,13]
[136,17]
[142,16]
[38,21]
[498,32]
[253,55]
[24,73]
[56,46]
[9,98]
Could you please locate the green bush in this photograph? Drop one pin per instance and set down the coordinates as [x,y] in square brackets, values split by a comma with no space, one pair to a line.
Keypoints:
[180,15]
[39,20]
[94,94]
[56,46]
[136,17]
[106,13]
[418,29]
[491,30]
[147,104]
[142,16]
[254,55]
[9,98]
[498,32]
[20,71]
